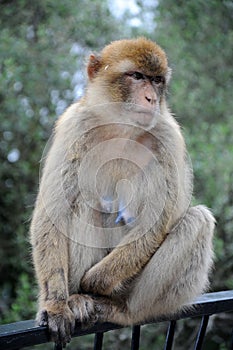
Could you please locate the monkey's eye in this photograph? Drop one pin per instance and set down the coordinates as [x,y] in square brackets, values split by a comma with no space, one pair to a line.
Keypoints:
[157,79]
[137,75]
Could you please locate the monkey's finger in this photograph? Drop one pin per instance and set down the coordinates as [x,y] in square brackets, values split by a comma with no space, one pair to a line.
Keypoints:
[64,333]
[73,305]
[55,325]
[69,328]
[67,331]
[53,330]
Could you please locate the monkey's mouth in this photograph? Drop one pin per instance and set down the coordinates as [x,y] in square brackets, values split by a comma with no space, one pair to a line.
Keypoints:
[140,114]
[143,118]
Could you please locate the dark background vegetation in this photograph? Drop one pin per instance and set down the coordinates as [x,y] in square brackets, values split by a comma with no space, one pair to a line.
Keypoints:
[42,48]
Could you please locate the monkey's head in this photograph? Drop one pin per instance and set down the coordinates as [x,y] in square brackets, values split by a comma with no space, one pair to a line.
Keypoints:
[133,73]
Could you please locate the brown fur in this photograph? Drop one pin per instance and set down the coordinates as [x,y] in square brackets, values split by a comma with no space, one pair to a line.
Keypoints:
[119,142]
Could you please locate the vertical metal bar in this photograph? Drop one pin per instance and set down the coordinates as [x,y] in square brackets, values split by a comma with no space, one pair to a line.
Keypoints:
[170,336]
[231,345]
[135,337]
[98,341]
[201,333]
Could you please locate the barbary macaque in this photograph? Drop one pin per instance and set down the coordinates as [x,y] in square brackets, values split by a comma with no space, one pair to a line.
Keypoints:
[113,234]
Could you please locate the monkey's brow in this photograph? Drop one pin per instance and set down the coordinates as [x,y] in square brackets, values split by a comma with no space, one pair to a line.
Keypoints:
[146,76]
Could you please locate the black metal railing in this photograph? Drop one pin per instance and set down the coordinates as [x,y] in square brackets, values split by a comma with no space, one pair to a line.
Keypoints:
[25,333]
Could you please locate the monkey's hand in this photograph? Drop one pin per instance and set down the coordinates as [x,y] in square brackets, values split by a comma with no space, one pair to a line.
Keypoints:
[59,319]
[84,309]
[100,280]
[119,267]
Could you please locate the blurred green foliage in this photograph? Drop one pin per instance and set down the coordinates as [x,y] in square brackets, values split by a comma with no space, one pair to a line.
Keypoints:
[197,36]
[42,49]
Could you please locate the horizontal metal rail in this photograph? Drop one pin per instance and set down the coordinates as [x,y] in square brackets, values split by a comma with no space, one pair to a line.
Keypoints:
[25,333]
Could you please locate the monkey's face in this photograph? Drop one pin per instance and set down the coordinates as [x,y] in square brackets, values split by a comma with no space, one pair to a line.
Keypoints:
[131,74]
[144,95]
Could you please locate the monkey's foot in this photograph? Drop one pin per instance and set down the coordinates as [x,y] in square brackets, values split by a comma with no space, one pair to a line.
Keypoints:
[83,308]
[59,319]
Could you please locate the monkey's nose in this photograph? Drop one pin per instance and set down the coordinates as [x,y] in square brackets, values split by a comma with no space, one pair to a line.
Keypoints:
[150,100]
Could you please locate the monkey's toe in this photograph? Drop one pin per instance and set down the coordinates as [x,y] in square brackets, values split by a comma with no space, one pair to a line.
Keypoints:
[42,318]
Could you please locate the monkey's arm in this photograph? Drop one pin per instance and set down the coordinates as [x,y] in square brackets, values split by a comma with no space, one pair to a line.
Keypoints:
[122,264]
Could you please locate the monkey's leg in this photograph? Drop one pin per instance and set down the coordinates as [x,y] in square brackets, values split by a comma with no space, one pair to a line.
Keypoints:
[175,274]
[50,253]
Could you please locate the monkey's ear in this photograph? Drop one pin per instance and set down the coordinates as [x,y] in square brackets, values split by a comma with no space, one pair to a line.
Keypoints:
[93,66]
